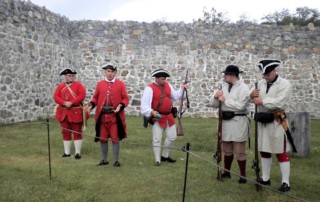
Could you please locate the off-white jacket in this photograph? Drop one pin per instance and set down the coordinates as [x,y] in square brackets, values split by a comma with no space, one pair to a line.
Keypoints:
[237,100]
[271,136]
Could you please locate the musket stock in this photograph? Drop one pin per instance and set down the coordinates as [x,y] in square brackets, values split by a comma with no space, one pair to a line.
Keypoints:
[180,129]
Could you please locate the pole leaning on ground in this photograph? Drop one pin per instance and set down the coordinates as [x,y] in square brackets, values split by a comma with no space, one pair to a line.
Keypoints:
[49,152]
[186,149]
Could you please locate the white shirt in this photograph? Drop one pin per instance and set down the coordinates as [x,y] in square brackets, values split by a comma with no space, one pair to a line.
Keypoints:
[237,100]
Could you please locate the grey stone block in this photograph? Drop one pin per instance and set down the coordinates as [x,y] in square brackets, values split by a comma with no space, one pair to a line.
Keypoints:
[299,124]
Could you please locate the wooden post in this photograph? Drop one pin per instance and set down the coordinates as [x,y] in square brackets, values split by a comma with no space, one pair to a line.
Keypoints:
[299,124]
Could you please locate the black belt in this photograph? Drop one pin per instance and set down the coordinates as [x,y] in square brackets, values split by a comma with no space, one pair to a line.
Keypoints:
[227,115]
[107,112]
[165,113]
[107,109]
[240,114]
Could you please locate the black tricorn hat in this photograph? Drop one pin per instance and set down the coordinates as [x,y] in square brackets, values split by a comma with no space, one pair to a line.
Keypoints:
[232,69]
[160,73]
[109,66]
[67,71]
[268,65]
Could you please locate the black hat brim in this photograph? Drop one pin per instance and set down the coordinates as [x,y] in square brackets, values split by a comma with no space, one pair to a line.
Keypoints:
[113,68]
[160,73]
[67,71]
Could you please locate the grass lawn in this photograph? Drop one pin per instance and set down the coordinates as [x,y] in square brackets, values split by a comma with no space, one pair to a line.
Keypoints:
[24,168]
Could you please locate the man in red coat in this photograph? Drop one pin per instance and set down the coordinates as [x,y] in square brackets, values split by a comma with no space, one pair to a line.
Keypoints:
[69,96]
[110,98]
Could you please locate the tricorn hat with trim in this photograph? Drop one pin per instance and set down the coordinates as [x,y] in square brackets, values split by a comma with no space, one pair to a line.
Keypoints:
[268,65]
[232,69]
[160,73]
[109,66]
[67,71]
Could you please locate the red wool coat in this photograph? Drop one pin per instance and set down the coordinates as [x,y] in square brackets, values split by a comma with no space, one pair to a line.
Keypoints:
[118,94]
[76,95]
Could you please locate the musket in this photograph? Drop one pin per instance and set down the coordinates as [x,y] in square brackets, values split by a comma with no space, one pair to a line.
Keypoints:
[255,163]
[180,111]
[218,153]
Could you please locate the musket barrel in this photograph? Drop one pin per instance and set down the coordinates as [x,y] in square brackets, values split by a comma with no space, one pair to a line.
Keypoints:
[255,165]
[219,141]
[180,112]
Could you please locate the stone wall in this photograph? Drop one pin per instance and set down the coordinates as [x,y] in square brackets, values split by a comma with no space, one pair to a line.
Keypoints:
[37,44]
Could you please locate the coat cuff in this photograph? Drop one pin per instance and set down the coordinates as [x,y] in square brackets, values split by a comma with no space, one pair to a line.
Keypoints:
[92,105]
[122,107]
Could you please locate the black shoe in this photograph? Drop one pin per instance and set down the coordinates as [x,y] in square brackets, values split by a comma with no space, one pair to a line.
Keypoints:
[66,155]
[116,164]
[77,156]
[225,175]
[157,163]
[103,163]
[284,187]
[169,159]
[242,180]
[268,182]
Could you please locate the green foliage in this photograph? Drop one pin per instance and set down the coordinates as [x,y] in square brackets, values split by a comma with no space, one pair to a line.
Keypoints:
[302,17]
[214,17]
[24,173]
[245,19]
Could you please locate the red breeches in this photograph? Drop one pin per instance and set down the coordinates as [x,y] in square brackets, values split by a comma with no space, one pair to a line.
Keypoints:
[108,128]
[281,157]
[69,128]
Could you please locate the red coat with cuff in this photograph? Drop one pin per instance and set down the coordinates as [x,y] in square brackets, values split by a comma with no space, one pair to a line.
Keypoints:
[76,95]
[118,95]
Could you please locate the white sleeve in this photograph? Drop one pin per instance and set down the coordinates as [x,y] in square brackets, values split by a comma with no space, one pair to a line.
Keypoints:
[176,94]
[146,100]
[214,102]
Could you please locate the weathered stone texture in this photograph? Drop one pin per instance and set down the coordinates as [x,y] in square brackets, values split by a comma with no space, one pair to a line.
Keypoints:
[37,44]
[299,123]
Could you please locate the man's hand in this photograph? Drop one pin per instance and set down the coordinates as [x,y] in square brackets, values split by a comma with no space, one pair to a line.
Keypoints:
[184,86]
[154,113]
[67,104]
[117,109]
[257,101]
[222,98]
[254,93]
[218,94]
[88,108]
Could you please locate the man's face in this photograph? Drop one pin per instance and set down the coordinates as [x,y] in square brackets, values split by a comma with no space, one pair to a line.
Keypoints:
[161,80]
[109,74]
[70,78]
[269,77]
[229,78]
